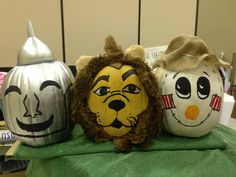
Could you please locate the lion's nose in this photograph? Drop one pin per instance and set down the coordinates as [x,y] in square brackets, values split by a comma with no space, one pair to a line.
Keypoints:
[116,105]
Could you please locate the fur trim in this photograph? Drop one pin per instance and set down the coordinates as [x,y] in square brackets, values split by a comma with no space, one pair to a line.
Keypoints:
[112,49]
[149,122]
[135,51]
[82,62]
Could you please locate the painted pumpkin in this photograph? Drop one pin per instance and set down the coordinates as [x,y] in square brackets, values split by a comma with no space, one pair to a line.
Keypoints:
[116,97]
[191,87]
[117,89]
[36,96]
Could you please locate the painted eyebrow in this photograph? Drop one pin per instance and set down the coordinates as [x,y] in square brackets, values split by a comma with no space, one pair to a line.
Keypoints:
[127,74]
[49,83]
[103,77]
[206,73]
[12,88]
[175,75]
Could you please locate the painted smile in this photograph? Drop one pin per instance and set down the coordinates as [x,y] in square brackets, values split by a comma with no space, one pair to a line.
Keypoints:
[118,124]
[35,127]
[173,114]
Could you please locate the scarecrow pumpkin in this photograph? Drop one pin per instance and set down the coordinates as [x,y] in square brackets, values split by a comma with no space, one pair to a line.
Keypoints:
[36,95]
[115,97]
[191,86]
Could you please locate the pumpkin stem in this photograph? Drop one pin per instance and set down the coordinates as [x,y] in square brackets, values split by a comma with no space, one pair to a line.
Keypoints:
[111,48]
[30,30]
[33,51]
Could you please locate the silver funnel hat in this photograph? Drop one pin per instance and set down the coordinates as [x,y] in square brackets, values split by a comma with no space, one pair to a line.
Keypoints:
[33,51]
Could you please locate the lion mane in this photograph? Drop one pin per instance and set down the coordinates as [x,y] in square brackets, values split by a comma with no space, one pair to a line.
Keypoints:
[148,123]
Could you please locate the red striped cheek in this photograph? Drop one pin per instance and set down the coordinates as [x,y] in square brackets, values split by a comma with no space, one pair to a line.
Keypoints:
[167,101]
[216,102]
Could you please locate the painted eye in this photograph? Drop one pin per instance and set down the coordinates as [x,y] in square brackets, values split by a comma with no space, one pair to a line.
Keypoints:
[203,87]
[131,88]
[101,91]
[12,88]
[183,88]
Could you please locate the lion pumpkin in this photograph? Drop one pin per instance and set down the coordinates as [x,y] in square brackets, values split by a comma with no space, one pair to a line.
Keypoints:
[115,97]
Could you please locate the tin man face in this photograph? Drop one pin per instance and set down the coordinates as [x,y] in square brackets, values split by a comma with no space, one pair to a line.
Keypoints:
[35,99]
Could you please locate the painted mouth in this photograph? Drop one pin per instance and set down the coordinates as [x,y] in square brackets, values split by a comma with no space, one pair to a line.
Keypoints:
[173,114]
[118,124]
[35,127]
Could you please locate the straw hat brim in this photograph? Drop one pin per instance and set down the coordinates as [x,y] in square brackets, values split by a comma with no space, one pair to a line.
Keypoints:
[187,52]
[187,62]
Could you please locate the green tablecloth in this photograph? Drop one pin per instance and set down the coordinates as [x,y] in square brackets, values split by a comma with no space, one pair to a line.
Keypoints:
[213,155]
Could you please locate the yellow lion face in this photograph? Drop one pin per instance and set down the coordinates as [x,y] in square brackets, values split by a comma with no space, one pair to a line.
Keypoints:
[117,98]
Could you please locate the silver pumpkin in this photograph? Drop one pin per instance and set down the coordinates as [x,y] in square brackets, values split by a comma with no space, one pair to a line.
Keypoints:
[36,95]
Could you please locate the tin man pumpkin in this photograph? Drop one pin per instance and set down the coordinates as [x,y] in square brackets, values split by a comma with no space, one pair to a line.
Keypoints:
[36,95]
[115,97]
[191,86]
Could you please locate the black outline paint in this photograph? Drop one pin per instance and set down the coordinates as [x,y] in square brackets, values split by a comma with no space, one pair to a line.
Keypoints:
[37,127]
[66,126]
[173,114]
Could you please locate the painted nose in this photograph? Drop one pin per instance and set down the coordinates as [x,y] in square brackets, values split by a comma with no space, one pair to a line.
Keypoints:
[116,105]
[192,112]
[31,106]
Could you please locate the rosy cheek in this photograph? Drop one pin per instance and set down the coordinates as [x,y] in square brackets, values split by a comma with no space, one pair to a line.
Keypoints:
[167,101]
[216,102]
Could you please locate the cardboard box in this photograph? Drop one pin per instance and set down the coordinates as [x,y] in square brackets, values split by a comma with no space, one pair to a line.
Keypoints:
[227,108]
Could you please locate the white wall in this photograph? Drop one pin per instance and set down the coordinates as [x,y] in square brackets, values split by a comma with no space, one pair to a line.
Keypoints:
[87,23]
[217,25]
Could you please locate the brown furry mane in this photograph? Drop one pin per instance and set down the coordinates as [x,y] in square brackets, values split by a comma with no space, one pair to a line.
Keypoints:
[149,122]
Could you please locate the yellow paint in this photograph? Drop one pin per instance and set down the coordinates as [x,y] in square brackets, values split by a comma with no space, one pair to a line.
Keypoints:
[130,94]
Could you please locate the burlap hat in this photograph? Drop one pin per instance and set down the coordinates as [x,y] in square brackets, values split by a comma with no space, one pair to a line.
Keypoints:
[186,52]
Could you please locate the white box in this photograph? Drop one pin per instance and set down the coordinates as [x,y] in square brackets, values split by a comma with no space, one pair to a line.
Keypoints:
[227,108]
